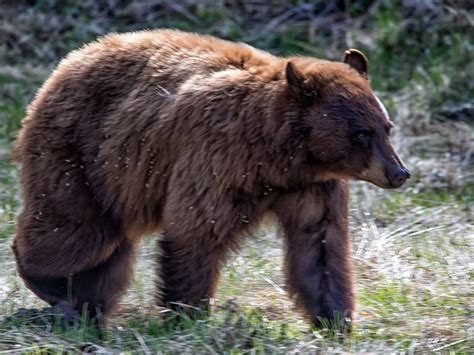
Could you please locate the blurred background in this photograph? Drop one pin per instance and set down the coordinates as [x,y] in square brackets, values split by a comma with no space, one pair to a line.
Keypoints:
[413,247]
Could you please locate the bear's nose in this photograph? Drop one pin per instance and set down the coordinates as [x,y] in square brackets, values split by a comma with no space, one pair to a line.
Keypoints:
[399,176]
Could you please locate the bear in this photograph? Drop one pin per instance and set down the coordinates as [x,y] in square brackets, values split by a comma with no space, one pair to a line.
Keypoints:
[197,139]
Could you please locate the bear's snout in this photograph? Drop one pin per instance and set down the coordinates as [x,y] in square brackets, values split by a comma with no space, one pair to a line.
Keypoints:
[387,173]
[398,176]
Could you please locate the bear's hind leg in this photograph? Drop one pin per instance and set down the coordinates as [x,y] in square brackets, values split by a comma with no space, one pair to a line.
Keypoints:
[95,290]
[99,289]
[70,262]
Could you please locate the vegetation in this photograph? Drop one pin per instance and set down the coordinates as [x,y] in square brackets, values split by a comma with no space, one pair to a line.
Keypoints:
[413,247]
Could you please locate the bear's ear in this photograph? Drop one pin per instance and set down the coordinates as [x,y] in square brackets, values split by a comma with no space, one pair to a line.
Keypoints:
[357,60]
[298,83]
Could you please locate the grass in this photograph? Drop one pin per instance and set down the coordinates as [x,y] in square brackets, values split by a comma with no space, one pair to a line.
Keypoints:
[413,247]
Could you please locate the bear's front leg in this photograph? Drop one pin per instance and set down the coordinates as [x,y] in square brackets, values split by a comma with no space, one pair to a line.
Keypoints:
[319,257]
[189,273]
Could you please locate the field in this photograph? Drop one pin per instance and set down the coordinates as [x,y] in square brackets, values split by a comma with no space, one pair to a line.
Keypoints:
[413,247]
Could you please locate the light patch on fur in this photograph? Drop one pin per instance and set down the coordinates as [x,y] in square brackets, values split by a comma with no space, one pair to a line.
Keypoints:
[382,107]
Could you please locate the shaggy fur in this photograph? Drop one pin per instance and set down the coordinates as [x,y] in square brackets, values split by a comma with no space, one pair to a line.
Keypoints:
[197,138]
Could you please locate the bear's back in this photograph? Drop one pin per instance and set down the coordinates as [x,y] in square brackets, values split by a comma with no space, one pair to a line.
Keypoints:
[138,69]
[109,109]
[167,54]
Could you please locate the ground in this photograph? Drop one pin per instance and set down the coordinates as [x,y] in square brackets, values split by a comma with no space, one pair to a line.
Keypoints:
[413,247]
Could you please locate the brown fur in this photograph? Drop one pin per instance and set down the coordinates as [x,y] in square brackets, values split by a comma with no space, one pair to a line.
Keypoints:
[198,138]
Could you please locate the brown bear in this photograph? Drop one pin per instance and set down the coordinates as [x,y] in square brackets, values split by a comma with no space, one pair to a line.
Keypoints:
[197,138]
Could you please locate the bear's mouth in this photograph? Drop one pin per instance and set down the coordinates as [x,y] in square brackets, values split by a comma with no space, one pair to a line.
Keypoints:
[379,183]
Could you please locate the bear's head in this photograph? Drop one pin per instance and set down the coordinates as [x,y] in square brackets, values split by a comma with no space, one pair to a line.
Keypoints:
[347,126]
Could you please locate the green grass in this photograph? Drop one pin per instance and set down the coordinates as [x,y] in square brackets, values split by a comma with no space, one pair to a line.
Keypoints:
[12,108]
[413,247]
[229,328]
[9,200]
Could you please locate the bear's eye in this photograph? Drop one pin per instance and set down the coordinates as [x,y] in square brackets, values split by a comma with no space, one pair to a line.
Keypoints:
[363,135]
